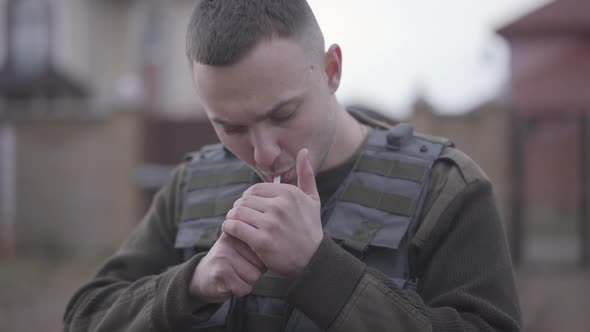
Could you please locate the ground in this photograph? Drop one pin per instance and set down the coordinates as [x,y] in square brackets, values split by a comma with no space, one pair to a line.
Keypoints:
[34,293]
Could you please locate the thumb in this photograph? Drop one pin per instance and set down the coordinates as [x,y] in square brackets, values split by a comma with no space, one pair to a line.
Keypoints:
[305,176]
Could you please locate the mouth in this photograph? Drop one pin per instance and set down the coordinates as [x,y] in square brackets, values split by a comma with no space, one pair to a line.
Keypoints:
[286,176]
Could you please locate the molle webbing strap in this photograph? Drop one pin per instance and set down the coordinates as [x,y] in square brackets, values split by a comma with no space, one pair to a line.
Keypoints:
[214,180]
[374,199]
[193,234]
[217,179]
[379,203]
[362,237]
[208,209]
[391,168]
[209,236]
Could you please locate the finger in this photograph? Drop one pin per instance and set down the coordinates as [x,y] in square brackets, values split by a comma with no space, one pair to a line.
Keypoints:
[236,285]
[242,231]
[305,175]
[223,290]
[247,272]
[257,203]
[245,251]
[245,214]
[266,190]
[238,202]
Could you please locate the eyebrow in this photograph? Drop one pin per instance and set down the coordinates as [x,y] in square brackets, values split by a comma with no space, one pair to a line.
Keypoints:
[275,108]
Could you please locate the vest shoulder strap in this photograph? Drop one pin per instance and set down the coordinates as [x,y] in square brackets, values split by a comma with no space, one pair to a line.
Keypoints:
[435,139]
[380,202]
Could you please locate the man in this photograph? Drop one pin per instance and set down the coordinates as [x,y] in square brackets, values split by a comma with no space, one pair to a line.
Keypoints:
[396,232]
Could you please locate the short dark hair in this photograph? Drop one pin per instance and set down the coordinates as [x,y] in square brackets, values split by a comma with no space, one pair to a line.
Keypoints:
[222,32]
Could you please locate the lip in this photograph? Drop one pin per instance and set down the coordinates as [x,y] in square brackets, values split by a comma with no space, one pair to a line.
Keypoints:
[285,176]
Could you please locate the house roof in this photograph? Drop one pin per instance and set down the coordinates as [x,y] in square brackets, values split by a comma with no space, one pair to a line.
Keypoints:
[561,17]
[50,84]
[560,85]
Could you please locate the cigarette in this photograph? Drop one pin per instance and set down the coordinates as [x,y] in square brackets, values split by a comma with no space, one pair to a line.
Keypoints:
[277,179]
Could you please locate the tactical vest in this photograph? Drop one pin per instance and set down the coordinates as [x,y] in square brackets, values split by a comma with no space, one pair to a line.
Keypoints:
[373,215]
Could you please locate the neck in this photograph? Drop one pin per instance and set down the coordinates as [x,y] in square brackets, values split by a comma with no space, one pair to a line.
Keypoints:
[348,136]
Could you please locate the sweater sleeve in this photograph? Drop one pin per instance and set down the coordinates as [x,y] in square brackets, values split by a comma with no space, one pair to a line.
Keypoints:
[142,287]
[465,275]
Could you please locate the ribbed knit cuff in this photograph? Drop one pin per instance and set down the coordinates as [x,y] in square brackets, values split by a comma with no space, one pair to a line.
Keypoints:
[324,286]
[174,307]
[448,320]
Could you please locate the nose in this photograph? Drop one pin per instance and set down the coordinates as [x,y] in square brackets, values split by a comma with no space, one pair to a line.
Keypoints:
[266,148]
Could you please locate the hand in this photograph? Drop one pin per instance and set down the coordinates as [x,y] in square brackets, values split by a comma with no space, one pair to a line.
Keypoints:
[230,267]
[280,222]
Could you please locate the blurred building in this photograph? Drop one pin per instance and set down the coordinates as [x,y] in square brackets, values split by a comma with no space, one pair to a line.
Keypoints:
[80,81]
[123,50]
[550,94]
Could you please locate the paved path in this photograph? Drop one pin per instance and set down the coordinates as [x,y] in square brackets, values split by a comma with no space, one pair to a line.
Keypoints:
[554,299]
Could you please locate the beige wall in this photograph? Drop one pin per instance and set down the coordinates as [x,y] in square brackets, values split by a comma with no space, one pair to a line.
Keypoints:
[484,135]
[75,183]
[179,95]
[99,44]
[72,38]
[110,48]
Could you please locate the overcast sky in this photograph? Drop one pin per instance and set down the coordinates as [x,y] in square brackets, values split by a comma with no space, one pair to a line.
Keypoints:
[447,50]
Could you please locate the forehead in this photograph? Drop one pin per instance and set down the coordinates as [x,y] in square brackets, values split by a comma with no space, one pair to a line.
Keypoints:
[273,71]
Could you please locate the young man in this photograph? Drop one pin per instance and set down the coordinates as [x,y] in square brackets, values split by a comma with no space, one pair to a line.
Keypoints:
[396,232]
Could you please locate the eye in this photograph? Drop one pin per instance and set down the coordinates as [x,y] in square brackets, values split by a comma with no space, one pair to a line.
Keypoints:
[234,130]
[284,114]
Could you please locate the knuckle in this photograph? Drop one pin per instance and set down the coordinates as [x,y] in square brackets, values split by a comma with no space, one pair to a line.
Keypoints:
[231,227]
[239,213]
[281,213]
[242,290]
[252,275]
[237,202]
[229,213]
[263,243]
[256,274]
[281,209]
[272,226]
[218,261]
[246,200]
[248,191]
[217,276]
[255,189]
[228,226]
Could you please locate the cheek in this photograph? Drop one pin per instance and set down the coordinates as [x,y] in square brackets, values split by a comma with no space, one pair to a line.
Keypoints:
[300,135]
[305,134]
[239,146]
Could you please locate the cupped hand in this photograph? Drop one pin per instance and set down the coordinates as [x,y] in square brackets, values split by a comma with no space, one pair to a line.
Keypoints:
[229,268]
[280,222]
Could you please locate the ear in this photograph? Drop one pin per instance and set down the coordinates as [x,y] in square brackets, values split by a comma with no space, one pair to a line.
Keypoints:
[333,67]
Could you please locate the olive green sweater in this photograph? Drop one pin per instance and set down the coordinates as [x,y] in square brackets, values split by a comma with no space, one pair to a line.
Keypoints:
[459,254]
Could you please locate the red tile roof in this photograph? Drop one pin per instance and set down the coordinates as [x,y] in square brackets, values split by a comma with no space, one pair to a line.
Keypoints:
[558,17]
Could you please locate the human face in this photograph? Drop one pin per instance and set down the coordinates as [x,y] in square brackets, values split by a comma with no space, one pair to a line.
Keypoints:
[268,106]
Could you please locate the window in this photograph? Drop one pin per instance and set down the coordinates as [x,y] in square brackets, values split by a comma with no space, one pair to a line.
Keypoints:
[29,27]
